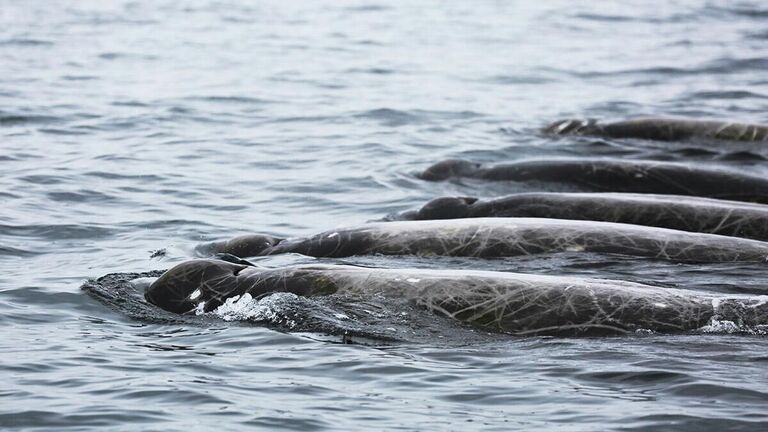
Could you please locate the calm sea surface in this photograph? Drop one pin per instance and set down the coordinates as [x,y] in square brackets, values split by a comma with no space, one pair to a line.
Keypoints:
[131,130]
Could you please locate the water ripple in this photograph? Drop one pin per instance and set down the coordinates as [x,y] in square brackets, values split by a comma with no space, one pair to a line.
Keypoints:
[132,130]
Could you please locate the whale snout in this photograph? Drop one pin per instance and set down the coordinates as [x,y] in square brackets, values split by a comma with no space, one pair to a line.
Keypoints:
[445,208]
[449,168]
[183,287]
[248,245]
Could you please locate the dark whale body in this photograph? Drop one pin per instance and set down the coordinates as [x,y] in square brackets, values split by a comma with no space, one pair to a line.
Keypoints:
[660,129]
[501,237]
[614,175]
[496,301]
[731,218]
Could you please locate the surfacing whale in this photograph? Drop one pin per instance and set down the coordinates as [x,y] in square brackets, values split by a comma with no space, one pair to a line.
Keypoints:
[614,175]
[519,304]
[662,129]
[500,237]
[731,218]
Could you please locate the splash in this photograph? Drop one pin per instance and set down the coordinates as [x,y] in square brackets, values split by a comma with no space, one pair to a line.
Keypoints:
[720,326]
[272,309]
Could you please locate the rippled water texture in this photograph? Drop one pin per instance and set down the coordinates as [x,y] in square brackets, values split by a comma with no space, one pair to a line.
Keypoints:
[137,129]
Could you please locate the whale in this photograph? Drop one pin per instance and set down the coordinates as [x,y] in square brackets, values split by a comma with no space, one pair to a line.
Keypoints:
[662,129]
[499,237]
[695,214]
[614,175]
[513,303]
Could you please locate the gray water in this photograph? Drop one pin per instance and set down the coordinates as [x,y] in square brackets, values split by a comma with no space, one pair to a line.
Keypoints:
[131,130]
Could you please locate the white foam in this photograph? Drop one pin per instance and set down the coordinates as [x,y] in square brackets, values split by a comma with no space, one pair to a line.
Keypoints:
[245,307]
[200,309]
[721,327]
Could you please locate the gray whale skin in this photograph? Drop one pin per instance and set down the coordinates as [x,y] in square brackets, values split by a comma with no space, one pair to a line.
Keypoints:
[613,175]
[662,129]
[520,304]
[704,215]
[500,237]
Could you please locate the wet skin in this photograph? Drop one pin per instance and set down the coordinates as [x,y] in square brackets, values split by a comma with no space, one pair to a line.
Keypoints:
[661,129]
[502,237]
[731,218]
[614,175]
[496,301]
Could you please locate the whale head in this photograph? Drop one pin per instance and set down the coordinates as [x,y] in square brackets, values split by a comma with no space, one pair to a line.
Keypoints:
[446,208]
[243,246]
[183,287]
[450,168]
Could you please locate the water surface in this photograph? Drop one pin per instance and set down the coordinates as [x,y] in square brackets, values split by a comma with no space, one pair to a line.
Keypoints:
[132,127]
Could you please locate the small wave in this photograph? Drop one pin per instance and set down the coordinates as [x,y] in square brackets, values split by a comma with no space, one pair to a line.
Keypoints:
[16,252]
[731,65]
[23,119]
[740,11]
[119,55]
[43,179]
[520,79]
[130,103]
[393,117]
[727,94]
[718,392]
[56,232]
[81,196]
[633,18]
[79,77]
[368,8]
[243,100]
[166,224]
[758,35]
[390,117]
[101,418]
[58,131]
[25,42]
[116,176]
[372,71]
[605,18]
[636,377]
[720,66]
